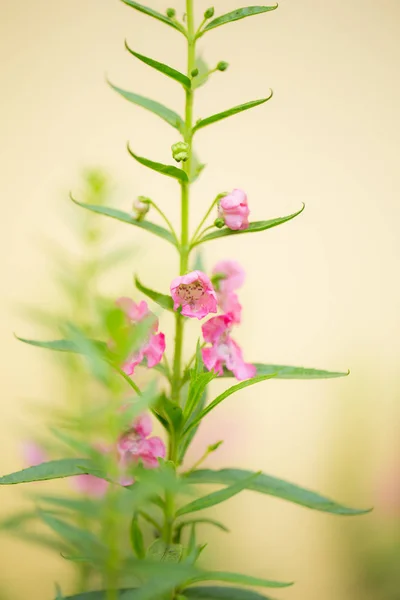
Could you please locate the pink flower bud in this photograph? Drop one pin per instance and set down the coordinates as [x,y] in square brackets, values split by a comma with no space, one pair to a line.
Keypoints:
[195,293]
[233,209]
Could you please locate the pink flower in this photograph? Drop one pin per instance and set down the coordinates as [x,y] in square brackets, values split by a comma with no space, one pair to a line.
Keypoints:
[224,351]
[153,348]
[135,445]
[195,293]
[233,209]
[89,485]
[232,277]
[33,454]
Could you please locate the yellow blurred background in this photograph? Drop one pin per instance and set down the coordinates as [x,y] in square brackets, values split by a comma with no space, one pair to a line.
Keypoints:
[322,291]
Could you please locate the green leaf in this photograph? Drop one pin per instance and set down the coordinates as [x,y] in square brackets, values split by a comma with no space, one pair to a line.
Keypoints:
[216,497]
[62,345]
[285,372]
[162,577]
[163,300]
[102,595]
[222,593]
[168,170]
[213,522]
[226,394]
[235,15]
[80,538]
[162,552]
[159,66]
[198,384]
[59,594]
[156,15]
[85,506]
[203,74]
[228,113]
[168,115]
[253,227]
[137,538]
[265,484]
[54,469]
[241,579]
[196,168]
[127,218]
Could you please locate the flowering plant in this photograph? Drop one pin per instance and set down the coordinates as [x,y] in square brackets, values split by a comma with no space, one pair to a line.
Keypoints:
[118,462]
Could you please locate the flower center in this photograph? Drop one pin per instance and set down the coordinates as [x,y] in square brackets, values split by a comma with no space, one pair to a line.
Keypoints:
[190,293]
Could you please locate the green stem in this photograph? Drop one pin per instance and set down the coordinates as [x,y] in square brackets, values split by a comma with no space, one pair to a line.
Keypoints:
[197,233]
[164,216]
[184,250]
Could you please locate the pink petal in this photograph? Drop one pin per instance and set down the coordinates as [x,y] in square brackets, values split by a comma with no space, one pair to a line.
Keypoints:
[155,349]
[143,425]
[211,359]
[236,364]
[90,485]
[234,275]
[215,327]
[33,454]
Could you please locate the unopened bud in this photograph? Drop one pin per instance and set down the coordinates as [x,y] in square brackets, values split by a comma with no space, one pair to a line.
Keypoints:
[141,207]
[180,151]
[215,446]
[171,13]
[194,73]
[209,13]
[219,223]
[222,66]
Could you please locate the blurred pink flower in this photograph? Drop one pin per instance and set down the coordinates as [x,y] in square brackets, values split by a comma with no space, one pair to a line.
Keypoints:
[389,490]
[89,485]
[233,209]
[232,277]
[135,445]
[33,454]
[195,293]
[224,351]
[153,348]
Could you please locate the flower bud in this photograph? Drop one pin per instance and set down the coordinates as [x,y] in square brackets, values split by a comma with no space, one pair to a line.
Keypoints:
[219,223]
[214,447]
[180,151]
[194,72]
[141,207]
[222,65]
[171,13]
[209,13]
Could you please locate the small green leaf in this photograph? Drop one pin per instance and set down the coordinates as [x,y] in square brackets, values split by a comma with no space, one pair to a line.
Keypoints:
[216,497]
[222,593]
[162,552]
[163,300]
[84,506]
[203,74]
[168,115]
[159,66]
[226,394]
[59,594]
[265,484]
[168,170]
[196,168]
[156,15]
[213,522]
[198,384]
[235,15]
[102,595]
[285,372]
[241,579]
[137,538]
[253,227]
[228,113]
[54,469]
[127,218]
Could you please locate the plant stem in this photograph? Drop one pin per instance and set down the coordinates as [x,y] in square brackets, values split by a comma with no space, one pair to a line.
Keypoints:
[184,258]
[164,216]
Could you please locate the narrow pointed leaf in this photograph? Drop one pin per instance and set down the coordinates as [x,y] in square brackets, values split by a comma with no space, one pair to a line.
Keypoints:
[168,115]
[222,593]
[253,227]
[54,469]
[163,300]
[76,536]
[213,522]
[203,74]
[102,595]
[127,218]
[241,579]
[156,15]
[265,484]
[62,345]
[159,66]
[216,497]
[168,170]
[226,394]
[285,372]
[235,15]
[137,538]
[228,113]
